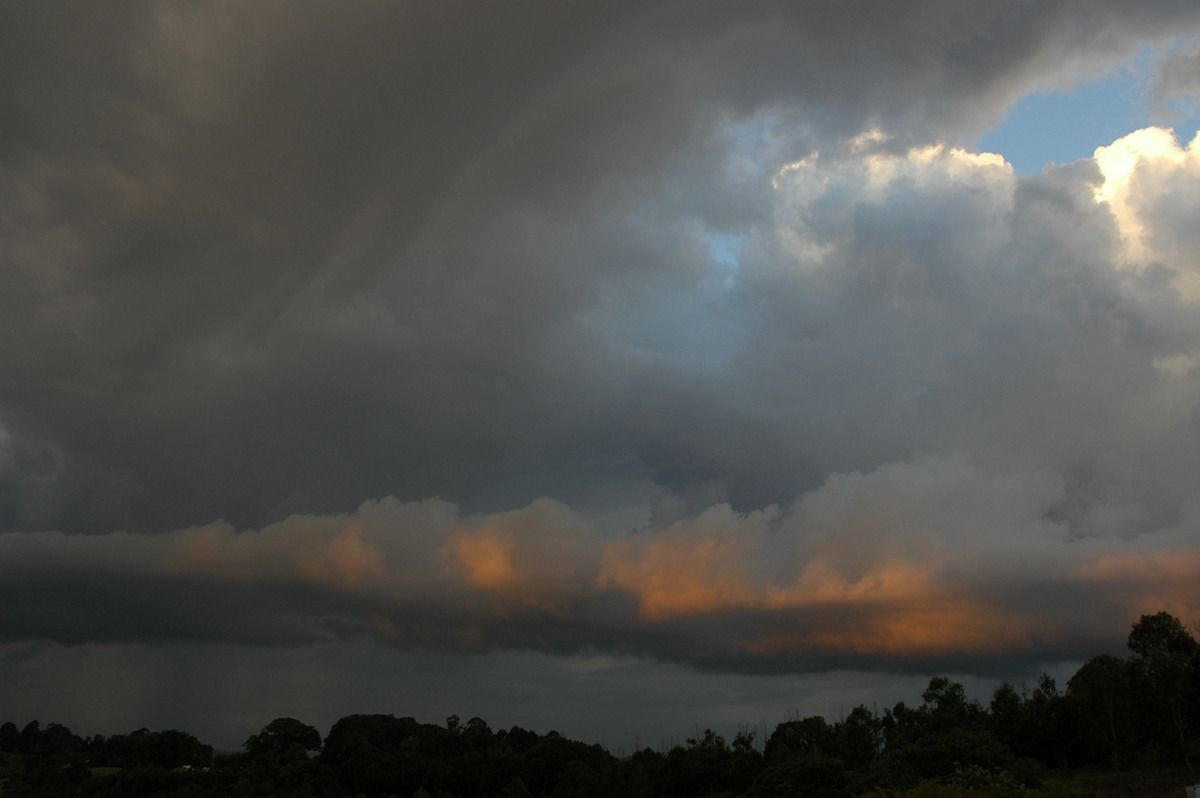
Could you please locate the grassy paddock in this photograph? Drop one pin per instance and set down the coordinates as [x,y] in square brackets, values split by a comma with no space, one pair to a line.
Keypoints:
[1101,783]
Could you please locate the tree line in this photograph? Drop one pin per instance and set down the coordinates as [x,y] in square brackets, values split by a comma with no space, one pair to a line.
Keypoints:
[1142,710]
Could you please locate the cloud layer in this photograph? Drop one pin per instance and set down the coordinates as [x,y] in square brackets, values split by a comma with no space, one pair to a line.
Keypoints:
[687,330]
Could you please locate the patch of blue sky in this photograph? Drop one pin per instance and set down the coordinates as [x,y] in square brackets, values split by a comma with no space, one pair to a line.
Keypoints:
[1061,127]
[1064,126]
[725,248]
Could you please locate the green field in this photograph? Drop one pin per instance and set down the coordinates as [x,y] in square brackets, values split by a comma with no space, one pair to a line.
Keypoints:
[1164,782]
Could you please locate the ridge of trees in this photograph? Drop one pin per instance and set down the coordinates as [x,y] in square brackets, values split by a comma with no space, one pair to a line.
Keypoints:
[1141,710]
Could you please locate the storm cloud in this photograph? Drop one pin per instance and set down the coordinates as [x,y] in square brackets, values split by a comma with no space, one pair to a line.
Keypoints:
[691,332]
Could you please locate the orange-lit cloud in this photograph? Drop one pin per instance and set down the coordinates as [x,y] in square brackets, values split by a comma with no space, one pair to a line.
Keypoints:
[689,568]
[486,558]
[537,557]
[911,629]
[902,607]
[933,558]
[336,557]
[929,558]
[1153,581]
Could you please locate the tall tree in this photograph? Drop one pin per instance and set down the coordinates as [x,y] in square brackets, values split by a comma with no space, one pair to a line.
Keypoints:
[947,707]
[284,738]
[812,736]
[859,738]
[1164,658]
[1046,737]
[10,736]
[1007,710]
[1103,692]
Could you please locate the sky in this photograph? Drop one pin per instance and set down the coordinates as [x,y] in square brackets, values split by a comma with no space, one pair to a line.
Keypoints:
[616,368]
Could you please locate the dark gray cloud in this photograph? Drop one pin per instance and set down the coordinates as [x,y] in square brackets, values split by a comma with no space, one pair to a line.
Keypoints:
[1175,88]
[384,250]
[792,372]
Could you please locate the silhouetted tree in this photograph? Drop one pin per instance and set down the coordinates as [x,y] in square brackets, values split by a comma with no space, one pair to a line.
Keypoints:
[859,738]
[902,725]
[10,736]
[946,706]
[1164,659]
[1102,691]
[1008,716]
[284,737]
[811,736]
